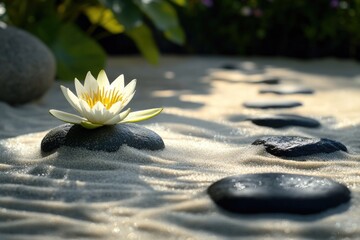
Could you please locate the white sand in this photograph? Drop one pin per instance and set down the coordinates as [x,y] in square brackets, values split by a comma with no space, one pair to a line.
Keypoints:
[136,194]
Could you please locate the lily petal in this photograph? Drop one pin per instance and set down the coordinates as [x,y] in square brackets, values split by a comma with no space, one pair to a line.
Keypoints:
[100,114]
[142,115]
[85,109]
[129,89]
[116,108]
[71,98]
[118,83]
[90,83]
[66,117]
[128,99]
[102,80]
[80,90]
[118,117]
[90,125]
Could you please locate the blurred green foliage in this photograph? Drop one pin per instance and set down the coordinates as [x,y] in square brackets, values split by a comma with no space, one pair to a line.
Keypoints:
[297,28]
[77,50]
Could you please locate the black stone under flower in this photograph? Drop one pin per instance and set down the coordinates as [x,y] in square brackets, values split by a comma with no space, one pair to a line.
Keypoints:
[277,193]
[106,138]
[295,146]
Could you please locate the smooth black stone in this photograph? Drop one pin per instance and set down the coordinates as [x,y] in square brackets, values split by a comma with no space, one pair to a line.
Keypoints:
[283,90]
[270,81]
[107,138]
[285,120]
[278,193]
[294,146]
[272,104]
[229,66]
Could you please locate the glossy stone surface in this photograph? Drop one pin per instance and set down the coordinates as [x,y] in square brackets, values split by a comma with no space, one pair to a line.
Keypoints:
[284,120]
[295,146]
[266,104]
[284,90]
[278,193]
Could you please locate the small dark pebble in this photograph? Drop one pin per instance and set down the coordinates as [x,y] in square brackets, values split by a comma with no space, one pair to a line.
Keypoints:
[272,104]
[107,138]
[283,90]
[284,120]
[229,66]
[278,193]
[294,146]
[269,81]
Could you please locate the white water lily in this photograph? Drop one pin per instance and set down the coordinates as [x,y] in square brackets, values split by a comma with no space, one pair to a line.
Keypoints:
[100,103]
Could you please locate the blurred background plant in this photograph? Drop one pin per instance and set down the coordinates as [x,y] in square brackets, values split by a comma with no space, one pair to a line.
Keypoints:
[72,29]
[297,28]
[82,32]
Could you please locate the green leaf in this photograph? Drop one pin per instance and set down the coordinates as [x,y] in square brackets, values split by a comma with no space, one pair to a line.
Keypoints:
[105,18]
[160,12]
[76,53]
[175,35]
[143,39]
[125,11]
[180,2]
[164,17]
[46,29]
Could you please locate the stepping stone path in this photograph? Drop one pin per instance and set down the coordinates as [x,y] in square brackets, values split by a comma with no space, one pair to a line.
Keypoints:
[266,104]
[281,192]
[284,120]
[283,90]
[277,193]
[107,138]
[294,146]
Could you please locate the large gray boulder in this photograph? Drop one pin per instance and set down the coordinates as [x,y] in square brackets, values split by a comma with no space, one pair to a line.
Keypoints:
[27,67]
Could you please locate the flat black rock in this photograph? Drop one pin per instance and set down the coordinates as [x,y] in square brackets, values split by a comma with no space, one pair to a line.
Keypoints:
[270,81]
[283,90]
[107,138]
[278,193]
[229,66]
[284,120]
[294,146]
[266,104]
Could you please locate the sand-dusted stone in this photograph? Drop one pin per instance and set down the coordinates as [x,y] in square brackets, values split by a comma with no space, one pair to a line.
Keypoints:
[284,120]
[266,104]
[278,193]
[284,90]
[27,67]
[107,138]
[295,146]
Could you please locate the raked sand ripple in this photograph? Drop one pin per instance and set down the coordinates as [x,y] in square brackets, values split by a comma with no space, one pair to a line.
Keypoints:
[139,194]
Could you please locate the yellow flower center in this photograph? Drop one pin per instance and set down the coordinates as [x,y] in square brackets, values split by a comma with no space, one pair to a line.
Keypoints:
[107,97]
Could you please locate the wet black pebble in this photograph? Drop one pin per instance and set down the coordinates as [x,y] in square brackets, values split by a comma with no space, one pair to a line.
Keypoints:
[284,120]
[278,193]
[266,104]
[295,146]
[284,90]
